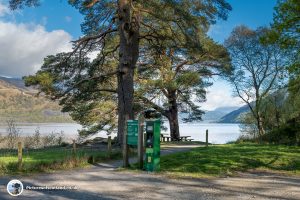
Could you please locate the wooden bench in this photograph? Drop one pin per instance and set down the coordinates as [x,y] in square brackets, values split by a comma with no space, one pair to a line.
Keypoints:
[184,138]
[164,138]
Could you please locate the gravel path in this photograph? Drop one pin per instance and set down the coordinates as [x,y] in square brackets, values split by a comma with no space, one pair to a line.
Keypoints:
[103,181]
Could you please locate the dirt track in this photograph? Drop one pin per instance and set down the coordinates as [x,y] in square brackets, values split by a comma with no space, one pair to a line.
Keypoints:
[103,181]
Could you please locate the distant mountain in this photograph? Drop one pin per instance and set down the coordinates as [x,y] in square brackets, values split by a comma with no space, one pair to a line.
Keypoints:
[17,82]
[212,116]
[227,109]
[21,104]
[217,114]
[233,117]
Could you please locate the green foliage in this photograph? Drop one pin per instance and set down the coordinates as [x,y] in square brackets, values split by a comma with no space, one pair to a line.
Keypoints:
[83,86]
[42,78]
[259,69]
[287,135]
[286,32]
[223,160]
[176,72]
[286,24]
[89,96]
[281,120]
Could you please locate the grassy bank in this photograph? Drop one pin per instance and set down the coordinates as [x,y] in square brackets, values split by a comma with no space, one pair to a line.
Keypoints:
[51,160]
[223,160]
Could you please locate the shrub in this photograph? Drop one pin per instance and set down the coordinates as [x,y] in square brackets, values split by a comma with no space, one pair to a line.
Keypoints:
[13,134]
[49,140]
[60,138]
[28,142]
[287,135]
[36,138]
[245,139]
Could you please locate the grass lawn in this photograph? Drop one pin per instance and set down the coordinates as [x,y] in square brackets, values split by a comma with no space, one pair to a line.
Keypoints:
[223,160]
[52,159]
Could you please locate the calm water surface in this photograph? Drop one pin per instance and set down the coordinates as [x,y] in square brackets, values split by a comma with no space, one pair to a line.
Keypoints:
[218,133]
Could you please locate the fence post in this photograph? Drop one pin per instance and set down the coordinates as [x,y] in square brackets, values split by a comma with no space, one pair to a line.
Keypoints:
[206,143]
[74,147]
[141,141]
[109,146]
[20,155]
[125,146]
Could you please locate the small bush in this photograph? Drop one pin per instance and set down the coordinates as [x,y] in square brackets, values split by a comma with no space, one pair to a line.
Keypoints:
[60,138]
[245,139]
[28,144]
[50,140]
[64,144]
[13,134]
[287,135]
[36,138]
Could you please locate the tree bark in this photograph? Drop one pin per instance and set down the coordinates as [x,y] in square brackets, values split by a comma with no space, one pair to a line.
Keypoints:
[260,125]
[128,55]
[173,116]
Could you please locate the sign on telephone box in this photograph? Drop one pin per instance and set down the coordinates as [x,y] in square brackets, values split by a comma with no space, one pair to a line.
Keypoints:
[132,132]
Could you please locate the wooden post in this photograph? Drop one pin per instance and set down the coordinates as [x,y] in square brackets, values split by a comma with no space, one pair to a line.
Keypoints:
[125,146]
[109,146]
[74,147]
[141,141]
[206,138]
[20,154]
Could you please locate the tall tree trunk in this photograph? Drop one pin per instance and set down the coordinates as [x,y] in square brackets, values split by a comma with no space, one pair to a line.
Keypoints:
[259,119]
[173,116]
[260,124]
[128,54]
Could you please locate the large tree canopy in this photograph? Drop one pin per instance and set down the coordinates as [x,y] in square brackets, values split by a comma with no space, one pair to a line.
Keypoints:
[286,32]
[127,23]
[258,69]
[173,77]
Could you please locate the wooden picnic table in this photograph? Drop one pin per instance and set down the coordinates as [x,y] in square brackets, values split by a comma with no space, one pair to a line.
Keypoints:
[184,138]
[163,138]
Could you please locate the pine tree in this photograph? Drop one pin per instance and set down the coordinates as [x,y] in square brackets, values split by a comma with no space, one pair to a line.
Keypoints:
[133,21]
[174,75]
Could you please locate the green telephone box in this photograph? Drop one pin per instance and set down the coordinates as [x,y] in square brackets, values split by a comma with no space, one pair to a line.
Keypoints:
[152,144]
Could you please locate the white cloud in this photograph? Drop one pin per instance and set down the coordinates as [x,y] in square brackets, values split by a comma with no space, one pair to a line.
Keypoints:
[92,55]
[23,47]
[4,10]
[220,95]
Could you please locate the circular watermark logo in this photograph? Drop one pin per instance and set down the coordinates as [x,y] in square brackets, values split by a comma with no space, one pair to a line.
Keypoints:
[15,187]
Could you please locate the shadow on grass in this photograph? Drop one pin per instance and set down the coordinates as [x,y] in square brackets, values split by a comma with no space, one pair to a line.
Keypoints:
[226,159]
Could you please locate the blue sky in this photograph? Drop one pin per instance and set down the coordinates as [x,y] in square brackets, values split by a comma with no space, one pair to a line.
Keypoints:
[58,14]
[27,36]
[252,13]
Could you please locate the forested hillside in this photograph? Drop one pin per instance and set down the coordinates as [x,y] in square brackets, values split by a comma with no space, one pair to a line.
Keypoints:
[235,116]
[22,105]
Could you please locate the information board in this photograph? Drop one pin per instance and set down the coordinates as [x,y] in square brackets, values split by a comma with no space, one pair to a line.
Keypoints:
[132,132]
